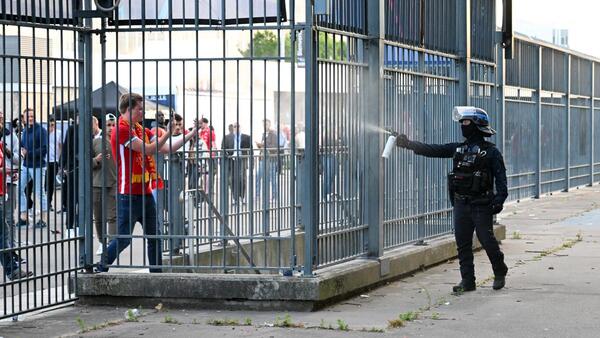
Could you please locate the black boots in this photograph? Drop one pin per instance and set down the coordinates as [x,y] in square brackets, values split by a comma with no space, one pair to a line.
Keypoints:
[464,286]
[499,282]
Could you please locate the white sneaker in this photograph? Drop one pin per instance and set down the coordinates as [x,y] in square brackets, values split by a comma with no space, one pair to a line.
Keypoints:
[99,251]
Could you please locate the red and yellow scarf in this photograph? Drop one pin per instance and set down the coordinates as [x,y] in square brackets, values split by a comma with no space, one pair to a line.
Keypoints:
[150,175]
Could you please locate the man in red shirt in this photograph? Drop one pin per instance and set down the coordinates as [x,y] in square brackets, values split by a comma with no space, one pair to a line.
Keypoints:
[133,148]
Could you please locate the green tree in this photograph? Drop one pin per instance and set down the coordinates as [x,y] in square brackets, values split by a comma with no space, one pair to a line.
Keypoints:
[264,45]
[327,47]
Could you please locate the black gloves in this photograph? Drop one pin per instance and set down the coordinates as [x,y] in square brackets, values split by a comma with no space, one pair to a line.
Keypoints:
[496,208]
[402,141]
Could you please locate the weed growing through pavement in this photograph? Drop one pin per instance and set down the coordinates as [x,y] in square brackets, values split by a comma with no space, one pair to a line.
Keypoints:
[516,235]
[565,245]
[223,322]
[342,325]
[83,328]
[286,322]
[82,325]
[409,316]
[131,317]
[170,320]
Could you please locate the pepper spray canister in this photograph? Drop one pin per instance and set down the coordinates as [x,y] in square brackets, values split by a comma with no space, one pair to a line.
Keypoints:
[389,145]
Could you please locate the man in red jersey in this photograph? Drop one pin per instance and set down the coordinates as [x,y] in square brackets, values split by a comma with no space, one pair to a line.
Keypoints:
[132,148]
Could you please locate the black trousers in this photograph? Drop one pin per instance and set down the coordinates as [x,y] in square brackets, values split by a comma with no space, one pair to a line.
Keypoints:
[237,172]
[478,218]
[51,171]
[71,200]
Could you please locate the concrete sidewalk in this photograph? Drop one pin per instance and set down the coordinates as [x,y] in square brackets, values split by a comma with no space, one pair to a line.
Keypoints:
[552,291]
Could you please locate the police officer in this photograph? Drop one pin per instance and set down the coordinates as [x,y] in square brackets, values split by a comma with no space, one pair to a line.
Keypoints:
[477,165]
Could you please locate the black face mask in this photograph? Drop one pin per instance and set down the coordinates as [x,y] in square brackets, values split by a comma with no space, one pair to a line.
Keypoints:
[468,131]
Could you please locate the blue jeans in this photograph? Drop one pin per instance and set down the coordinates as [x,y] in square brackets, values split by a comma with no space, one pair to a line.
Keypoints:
[330,169]
[37,175]
[271,177]
[132,209]
[8,258]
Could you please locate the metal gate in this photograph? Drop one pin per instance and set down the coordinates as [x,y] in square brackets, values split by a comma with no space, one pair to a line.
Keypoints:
[41,68]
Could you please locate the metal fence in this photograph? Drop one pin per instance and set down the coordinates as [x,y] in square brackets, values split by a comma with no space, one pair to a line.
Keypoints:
[548,105]
[307,189]
[41,66]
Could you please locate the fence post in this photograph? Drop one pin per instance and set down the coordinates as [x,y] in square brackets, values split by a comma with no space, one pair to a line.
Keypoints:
[592,125]
[308,167]
[373,197]
[538,131]
[568,122]
[500,82]
[84,138]
[463,49]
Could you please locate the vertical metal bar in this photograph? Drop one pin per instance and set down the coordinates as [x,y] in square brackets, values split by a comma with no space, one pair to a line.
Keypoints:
[538,133]
[463,48]
[591,124]
[374,191]
[308,169]
[500,97]
[84,149]
[421,161]
[568,121]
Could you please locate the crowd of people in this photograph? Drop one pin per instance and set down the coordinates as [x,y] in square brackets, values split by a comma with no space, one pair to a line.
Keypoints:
[132,169]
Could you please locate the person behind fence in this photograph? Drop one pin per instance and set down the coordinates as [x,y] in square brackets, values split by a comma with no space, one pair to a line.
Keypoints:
[478,166]
[104,180]
[9,259]
[329,166]
[175,178]
[237,148]
[69,159]
[133,149]
[55,143]
[12,159]
[202,166]
[268,177]
[19,124]
[34,146]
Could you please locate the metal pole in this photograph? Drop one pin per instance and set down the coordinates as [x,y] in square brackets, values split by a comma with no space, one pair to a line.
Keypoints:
[592,137]
[538,133]
[84,139]
[422,171]
[308,168]
[463,49]
[373,196]
[500,82]
[568,121]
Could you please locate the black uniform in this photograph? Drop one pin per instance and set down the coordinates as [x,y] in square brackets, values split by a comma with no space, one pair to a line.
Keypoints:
[473,210]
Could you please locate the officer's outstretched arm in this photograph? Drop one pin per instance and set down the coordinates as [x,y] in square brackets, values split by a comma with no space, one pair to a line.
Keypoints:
[429,150]
[499,172]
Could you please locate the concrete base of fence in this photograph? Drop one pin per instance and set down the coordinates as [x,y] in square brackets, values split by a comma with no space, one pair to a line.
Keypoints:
[264,292]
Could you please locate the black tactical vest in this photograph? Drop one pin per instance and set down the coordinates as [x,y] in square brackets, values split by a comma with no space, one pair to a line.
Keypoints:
[470,175]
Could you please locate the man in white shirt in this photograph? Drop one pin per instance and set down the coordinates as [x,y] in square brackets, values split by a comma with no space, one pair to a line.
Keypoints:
[55,143]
